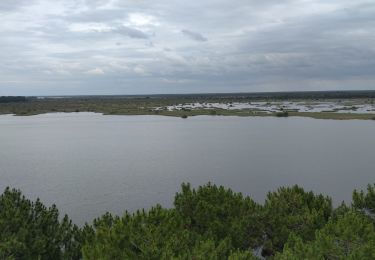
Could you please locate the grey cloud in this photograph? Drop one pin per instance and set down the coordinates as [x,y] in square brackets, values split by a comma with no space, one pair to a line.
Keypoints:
[97,15]
[96,3]
[9,5]
[131,32]
[194,36]
[333,45]
[252,46]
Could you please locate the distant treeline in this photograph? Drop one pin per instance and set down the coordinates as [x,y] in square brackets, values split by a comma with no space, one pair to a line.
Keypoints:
[278,95]
[10,99]
[249,95]
[210,222]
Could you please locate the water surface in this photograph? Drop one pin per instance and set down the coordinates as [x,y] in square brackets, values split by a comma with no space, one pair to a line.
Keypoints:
[88,164]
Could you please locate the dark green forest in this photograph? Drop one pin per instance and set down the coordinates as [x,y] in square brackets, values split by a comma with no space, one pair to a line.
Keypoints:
[209,222]
[12,99]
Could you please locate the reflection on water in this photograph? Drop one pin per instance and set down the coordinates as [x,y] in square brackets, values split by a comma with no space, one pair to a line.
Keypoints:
[89,164]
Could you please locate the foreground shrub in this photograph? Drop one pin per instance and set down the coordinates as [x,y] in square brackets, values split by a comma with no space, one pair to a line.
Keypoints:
[210,222]
[365,201]
[221,213]
[29,230]
[207,223]
[351,236]
[142,235]
[292,210]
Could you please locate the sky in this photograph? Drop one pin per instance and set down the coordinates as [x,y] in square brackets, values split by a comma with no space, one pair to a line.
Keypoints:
[108,47]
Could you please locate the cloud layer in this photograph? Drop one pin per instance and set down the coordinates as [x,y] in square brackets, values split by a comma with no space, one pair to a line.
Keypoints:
[134,47]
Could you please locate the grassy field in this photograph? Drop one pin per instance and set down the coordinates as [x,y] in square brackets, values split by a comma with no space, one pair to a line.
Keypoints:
[143,105]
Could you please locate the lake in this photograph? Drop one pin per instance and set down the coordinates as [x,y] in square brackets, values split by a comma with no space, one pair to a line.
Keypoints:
[88,163]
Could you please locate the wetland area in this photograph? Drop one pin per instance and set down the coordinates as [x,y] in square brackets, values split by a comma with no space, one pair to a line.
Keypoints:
[321,105]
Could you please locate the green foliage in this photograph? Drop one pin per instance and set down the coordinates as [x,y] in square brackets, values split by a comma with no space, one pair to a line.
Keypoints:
[365,201]
[244,255]
[219,213]
[292,210]
[213,112]
[208,250]
[282,114]
[142,235]
[207,223]
[210,222]
[11,99]
[351,236]
[29,230]
[153,235]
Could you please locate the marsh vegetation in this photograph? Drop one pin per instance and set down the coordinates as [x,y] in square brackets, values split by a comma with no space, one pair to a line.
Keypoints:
[324,105]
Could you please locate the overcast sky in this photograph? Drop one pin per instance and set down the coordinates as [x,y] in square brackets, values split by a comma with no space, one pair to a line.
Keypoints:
[170,46]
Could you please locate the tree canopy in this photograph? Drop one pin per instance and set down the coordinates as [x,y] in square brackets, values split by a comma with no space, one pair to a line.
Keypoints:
[29,230]
[208,222]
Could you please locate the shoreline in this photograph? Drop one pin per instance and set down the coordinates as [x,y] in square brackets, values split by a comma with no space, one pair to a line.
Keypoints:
[188,106]
[239,113]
